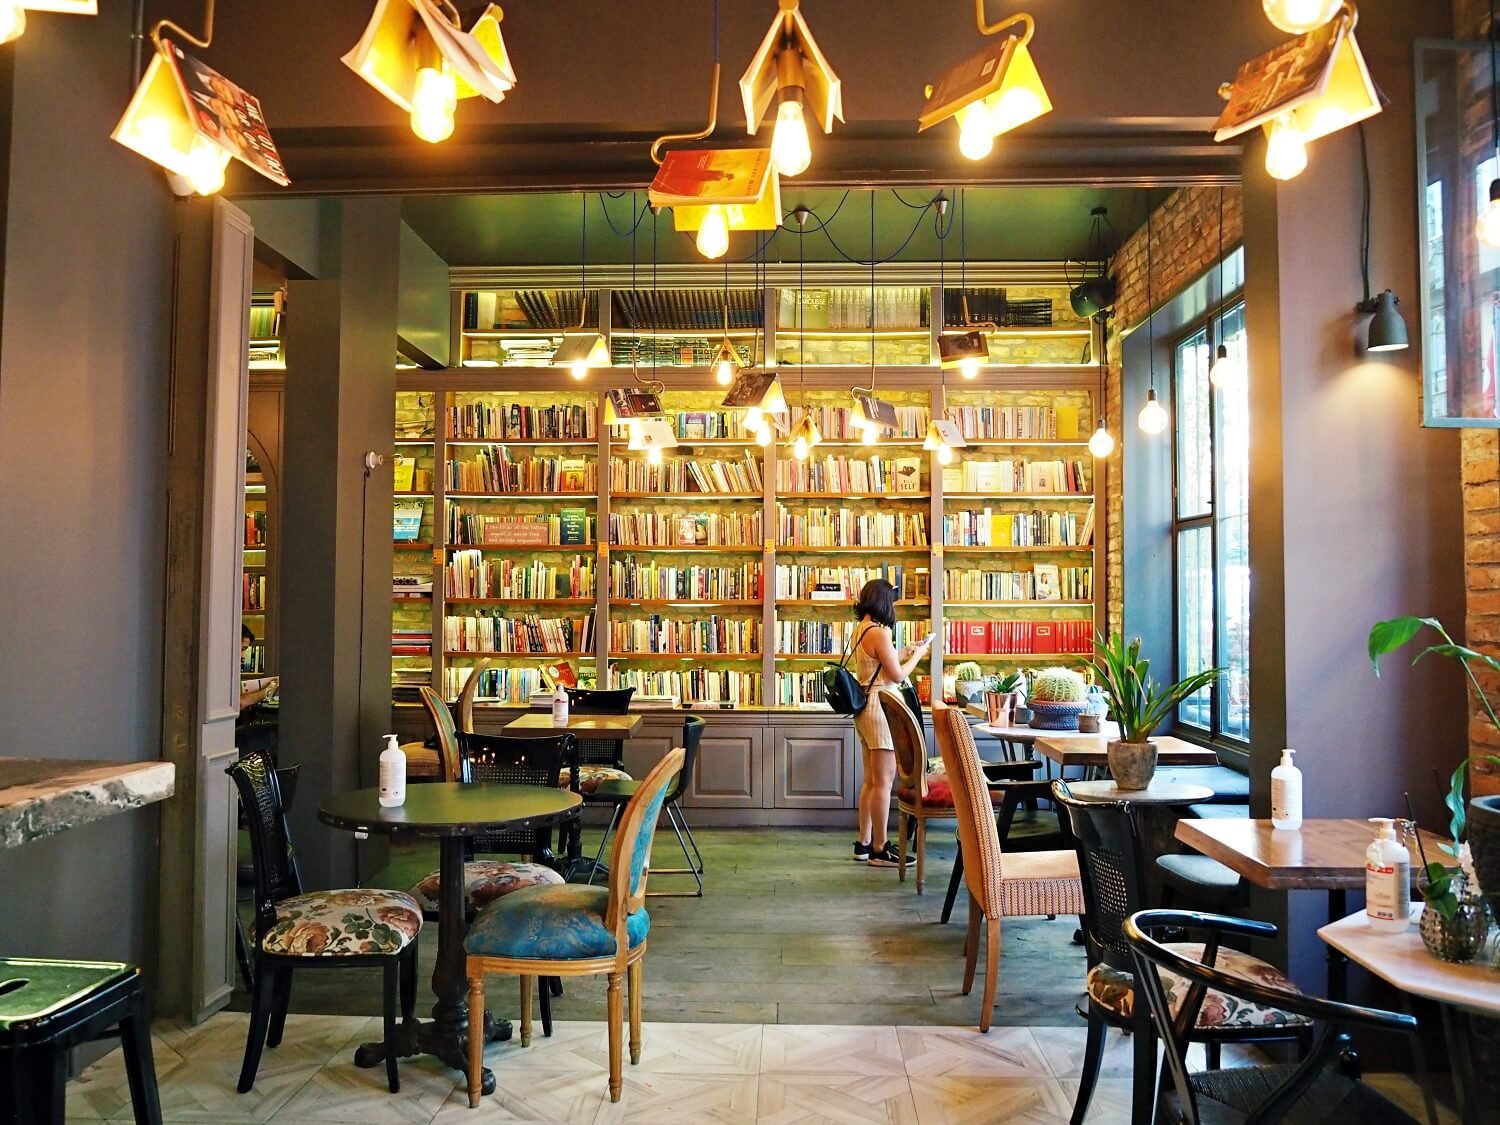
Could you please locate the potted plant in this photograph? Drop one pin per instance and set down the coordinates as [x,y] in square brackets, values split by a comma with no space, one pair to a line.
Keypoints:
[1001,694]
[1139,705]
[968,681]
[1057,699]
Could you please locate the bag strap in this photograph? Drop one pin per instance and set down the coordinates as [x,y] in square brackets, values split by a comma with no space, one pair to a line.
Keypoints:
[875,675]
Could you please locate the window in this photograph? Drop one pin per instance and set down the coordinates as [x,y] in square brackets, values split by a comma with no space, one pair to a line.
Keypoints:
[1210,527]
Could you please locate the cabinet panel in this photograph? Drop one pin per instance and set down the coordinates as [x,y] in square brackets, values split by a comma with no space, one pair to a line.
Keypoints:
[814,768]
[730,768]
[650,746]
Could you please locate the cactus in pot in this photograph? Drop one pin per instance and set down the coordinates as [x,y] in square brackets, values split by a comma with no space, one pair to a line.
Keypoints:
[1057,699]
[968,681]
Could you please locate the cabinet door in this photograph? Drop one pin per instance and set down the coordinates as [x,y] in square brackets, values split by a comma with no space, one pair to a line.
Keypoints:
[730,768]
[650,745]
[814,768]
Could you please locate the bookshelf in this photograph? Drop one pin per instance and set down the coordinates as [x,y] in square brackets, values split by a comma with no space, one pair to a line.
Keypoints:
[256,577]
[266,351]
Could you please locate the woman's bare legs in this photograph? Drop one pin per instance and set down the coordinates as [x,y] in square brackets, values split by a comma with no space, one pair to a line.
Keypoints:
[875,796]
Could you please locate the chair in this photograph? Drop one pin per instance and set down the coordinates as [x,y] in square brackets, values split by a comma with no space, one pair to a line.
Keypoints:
[465,705]
[49,1007]
[1178,984]
[419,757]
[1030,884]
[576,930]
[1114,888]
[317,929]
[620,792]
[599,759]
[286,779]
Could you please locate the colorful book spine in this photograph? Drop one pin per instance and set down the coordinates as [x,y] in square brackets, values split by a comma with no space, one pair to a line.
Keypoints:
[631,577]
[844,527]
[708,636]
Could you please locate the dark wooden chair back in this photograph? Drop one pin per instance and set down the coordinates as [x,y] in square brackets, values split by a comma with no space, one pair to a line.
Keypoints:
[1113,871]
[276,877]
[599,701]
[502,760]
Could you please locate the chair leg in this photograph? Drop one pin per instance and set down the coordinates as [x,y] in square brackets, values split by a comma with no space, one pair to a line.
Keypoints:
[409,982]
[476,1035]
[608,828]
[527,980]
[281,998]
[675,811]
[921,851]
[260,1017]
[971,945]
[616,1017]
[392,974]
[690,869]
[1213,1055]
[1143,1077]
[545,995]
[1093,1058]
[954,882]
[242,952]
[634,977]
[556,983]
[140,1069]
[901,819]
[991,971]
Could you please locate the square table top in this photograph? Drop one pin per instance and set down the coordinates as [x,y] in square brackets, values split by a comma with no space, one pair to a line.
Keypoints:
[617,727]
[1069,748]
[1402,960]
[1321,855]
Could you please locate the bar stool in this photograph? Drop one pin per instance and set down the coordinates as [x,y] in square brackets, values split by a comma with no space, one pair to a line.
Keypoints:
[47,1008]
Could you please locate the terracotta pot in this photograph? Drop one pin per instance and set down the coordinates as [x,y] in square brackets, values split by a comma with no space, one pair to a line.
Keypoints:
[1132,764]
[1484,842]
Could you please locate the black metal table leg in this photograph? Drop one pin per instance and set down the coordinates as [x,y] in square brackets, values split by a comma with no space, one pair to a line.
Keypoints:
[1338,981]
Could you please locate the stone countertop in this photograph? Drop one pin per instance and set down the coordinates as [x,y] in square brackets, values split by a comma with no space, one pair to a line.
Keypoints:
[43,796]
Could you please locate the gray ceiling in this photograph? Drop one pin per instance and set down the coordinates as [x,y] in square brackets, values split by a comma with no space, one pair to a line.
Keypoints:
[1019,224]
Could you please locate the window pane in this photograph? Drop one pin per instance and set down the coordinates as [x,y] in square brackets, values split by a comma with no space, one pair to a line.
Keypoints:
[1232,512]
[1194,438]
[1195,617]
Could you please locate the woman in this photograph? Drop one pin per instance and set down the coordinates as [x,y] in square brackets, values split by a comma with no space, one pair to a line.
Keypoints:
[879,666]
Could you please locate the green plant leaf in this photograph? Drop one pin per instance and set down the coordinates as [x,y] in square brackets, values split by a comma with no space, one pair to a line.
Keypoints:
[1388,636]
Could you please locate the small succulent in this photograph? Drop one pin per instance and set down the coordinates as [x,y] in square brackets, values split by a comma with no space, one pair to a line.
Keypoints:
[1003,685]
[1058,685]
[968,670]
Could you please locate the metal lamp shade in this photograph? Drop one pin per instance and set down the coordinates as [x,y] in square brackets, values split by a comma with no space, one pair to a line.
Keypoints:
[1387,326]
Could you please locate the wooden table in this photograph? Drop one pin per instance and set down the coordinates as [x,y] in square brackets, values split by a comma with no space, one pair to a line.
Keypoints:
[613,728]
[1157,793]
[40,797]
[451,811]
[1459,990]
[1092,751]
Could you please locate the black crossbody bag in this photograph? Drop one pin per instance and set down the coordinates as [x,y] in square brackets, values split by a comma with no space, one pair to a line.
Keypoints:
[841,688]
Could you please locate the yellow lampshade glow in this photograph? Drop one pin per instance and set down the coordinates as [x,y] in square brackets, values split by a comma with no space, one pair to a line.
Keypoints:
[713,235]
[968,367]
[1298,17]
[579,369]
[976,137]
[800,448]
[763,436]
[1101,442]
[1286,150]
[754,419]
[1018,98]
[944,455]
[1488,227]
[206,162]
[791,151]
[433,104]
[12,21]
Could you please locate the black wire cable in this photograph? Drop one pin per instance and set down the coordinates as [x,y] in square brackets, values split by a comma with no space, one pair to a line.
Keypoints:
[1150,298]
[610,221]
[1364,229]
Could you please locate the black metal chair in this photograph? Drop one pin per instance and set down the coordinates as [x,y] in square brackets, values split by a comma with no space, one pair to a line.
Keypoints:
[1177,985]
[286,778]
[318,929]
[620,792]
[601,753]
[1114,888]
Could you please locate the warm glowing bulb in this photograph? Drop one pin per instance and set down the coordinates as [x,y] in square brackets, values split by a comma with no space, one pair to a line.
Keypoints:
[976,133]
[1286,151]
[579,368]
[1488,227]
[713,235]
[754,419]
[1298,17]
[945,454]
[724,372]
[1227,371]
[12,20]
[800,448]
[206,162]
[1101,443]
[433,103]
[763,436]
[790,150]
[1016,106]
[653,455]
[968,367]
[870,434]
[1153,417]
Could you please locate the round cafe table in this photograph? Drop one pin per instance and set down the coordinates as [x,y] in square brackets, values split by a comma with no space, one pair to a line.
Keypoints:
[451,811]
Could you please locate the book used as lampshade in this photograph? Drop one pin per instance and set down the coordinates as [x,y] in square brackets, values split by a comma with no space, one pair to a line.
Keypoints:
[993,91]
[741,181]
[403,37]
[821,89]
[623,403]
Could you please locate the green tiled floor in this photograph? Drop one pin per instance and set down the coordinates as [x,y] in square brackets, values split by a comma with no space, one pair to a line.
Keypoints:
[790,931]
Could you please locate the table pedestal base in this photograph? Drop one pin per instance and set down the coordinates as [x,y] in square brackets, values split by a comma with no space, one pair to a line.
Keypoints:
[451,1045]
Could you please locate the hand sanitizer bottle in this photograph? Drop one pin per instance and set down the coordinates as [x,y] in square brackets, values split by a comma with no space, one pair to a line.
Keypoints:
[1387,880]
[560,706]
[1286,794]
[392,774]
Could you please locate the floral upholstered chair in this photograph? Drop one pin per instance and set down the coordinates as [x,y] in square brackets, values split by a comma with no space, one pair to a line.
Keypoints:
[315,929]
[576,930]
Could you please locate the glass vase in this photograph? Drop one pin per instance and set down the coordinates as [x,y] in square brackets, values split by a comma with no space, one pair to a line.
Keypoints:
[1462,937]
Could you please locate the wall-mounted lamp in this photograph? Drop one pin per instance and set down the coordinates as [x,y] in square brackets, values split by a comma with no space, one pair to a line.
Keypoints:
[789,69]
[1387,331]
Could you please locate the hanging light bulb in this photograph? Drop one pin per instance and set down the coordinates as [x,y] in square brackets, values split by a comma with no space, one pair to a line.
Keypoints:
[724,372]
[754,419]
[12,20]
[791,152]
[870,434]
[968,367]
[800,448]
[1101,441]
[976,131]
[1227,371]
[945,455]
[434,101]
[206,162]
[1286,150]
[1298,17]
[1153,417]
[653,455]
[713,235]
[1488,227]
[763,436]
[579,369]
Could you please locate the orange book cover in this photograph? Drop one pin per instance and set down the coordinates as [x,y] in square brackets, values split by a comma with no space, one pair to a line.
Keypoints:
[712,175]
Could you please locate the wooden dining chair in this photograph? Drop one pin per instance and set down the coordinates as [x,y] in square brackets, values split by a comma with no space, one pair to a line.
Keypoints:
[466,697]
[576,930]
[447,734]
[1030,884]
[918,798]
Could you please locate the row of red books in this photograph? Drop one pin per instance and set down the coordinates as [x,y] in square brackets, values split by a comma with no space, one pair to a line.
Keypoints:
[1019,638]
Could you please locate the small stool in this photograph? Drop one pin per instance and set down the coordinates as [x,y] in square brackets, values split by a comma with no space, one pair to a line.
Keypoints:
[48,1007]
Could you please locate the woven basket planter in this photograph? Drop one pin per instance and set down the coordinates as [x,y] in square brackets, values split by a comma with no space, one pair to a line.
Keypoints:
[1055,716]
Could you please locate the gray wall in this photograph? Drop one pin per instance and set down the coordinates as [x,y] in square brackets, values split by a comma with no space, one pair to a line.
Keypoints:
[83,374]
[423,321]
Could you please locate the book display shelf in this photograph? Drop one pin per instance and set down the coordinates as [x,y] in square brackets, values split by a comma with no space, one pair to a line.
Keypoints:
[255,575]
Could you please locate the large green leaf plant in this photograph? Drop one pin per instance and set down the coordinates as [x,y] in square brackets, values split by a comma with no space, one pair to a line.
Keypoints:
[1138,703]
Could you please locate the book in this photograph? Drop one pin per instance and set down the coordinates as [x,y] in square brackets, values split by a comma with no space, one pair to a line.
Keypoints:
[403,469]
[1325,65]
[408,524]
[822,90]
[575,527]
[560,673]
[1086,536]
[627,402]
[384,57]
[740,180]
[1048,588]
[574,476]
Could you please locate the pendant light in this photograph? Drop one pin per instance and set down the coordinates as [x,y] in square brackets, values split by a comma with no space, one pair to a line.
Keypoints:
[584,347]
[968,349]
[1092,295]
[1101,441]
[1387,332]
[1153,417]
[13,14]
[1298,17]
[869,415]
[1226,371]
[726,359]
[789,69]
[1488,227]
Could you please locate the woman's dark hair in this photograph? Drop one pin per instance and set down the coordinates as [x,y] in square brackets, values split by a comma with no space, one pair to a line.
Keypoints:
[877,601]
[246,634]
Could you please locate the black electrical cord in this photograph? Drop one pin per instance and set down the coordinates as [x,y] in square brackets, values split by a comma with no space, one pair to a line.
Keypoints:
[1150,298]
[1364,221]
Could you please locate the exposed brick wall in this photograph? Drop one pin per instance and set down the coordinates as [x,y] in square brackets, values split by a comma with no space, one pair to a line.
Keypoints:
[1184,245]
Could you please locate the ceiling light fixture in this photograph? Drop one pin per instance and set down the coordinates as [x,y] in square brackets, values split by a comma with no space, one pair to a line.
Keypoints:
[1304,89]
[584,347]
[1153,418]
[969,348]
[1094,294]
[1298,17]
[789,69]
[992,91]
[1387,331]
[416,53]
[191,120]
[13,13]
[1227,370]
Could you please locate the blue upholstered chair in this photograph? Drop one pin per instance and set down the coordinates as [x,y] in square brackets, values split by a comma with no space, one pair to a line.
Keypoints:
[575,930]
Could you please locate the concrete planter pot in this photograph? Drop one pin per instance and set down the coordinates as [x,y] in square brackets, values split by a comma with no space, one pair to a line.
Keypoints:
[1484,843]
[1132,764]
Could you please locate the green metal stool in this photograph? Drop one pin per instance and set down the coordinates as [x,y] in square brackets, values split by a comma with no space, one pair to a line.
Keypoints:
[49,1007]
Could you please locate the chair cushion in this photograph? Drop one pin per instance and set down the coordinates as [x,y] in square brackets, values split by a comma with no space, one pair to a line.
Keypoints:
[342,923]
[1034,884]
[485,880]
[1198,872]
[1229,785]
[1208,811]
[939,794]
[1114,991]
[935,767]
[551,923]
[589,777]
[421,760]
